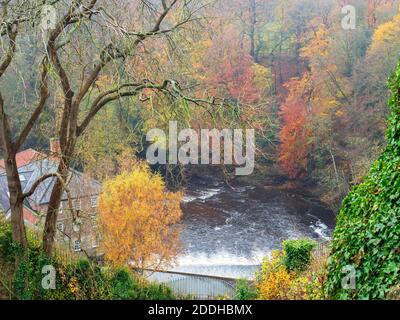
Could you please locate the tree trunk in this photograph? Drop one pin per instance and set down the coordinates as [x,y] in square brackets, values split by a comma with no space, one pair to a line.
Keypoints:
[52,212]
[253,21]
[55,199]
[16,200]
[14,183]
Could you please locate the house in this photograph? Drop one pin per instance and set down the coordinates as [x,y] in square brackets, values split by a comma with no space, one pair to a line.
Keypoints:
[24,158]
[77,218]
[30,216]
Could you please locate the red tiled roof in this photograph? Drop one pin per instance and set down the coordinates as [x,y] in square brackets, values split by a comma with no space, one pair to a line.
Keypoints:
[30,217]
[24,158]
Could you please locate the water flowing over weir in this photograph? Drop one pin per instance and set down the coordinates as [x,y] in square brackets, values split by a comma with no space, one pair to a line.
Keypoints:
[227,232]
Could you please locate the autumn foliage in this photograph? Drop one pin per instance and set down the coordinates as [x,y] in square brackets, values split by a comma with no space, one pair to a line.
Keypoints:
[139,220]
[276,281]
[294,135]
[236,74]
[228,69]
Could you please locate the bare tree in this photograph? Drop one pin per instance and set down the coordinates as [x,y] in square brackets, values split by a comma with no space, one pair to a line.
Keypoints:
[96,22]
[13,15]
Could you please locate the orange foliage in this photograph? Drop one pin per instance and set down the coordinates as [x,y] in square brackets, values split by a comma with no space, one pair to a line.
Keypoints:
[275,281]
[313,105]
[318,45]
[295,134]
[139,220]
[222,64]
[237,76]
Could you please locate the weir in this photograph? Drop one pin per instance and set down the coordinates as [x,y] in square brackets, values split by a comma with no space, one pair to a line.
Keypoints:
[195,286]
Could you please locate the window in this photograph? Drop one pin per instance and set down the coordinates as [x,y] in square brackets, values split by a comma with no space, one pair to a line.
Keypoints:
[61,227]
[76,204]
[93,202]
[77,245]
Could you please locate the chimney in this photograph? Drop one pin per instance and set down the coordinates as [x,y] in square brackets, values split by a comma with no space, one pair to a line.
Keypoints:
[55,147]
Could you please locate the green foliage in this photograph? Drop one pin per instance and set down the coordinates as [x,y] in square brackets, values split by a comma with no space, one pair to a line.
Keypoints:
[122,286]
[244,291]
[297,254]
[8,249]
[153,291]
[126,287]
[367,235]
[75,280]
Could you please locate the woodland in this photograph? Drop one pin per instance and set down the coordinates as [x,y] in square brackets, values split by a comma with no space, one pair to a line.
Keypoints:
[98,75]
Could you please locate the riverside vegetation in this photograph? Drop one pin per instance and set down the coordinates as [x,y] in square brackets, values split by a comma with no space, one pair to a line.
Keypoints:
[367,238]
[314,92]
[76,279]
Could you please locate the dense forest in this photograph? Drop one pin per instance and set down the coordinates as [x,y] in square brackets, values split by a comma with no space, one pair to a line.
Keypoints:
[315,92]
[97,76]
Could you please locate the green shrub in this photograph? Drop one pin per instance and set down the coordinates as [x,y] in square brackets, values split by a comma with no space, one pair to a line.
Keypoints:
[8,249]
[297,254]
[244,291]
[367,236]
[154,291]
[122,286]
[75,280]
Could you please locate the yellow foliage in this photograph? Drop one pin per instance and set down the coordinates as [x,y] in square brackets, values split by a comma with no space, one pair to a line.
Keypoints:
[262,76]
[275,282]
[139,220]
[74,286]
[276,285]
[386,34]
[318,45]
[197,55]
[306,287]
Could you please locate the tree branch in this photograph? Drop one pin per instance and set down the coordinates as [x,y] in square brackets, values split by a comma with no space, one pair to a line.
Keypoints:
[44,178]
[5,131]
[12,33]
[115,94]
[44,94]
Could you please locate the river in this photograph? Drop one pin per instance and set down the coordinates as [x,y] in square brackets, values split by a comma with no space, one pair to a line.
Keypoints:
[228,231]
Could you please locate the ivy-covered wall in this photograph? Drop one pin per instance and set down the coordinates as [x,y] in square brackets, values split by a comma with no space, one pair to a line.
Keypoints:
[367,236]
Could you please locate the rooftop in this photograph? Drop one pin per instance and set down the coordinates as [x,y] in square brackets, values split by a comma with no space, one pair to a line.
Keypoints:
[31,166]
[24,157]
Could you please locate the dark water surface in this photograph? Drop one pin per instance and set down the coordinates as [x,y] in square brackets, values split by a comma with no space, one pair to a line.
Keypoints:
[227,232]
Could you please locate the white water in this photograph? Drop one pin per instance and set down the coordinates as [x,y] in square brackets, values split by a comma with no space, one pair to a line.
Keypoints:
[228,232]
[321,229]
[222,264]
[202,195]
